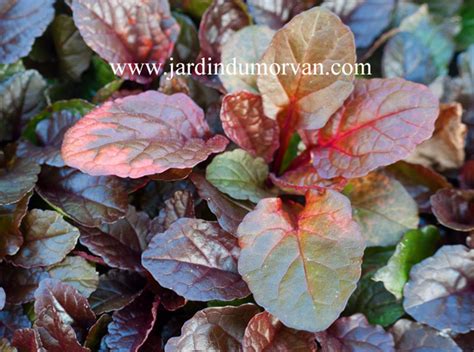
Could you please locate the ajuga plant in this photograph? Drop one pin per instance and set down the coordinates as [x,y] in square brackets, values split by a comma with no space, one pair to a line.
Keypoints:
[282,211]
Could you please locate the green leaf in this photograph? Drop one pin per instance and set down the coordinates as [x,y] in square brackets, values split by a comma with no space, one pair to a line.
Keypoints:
[239,175]
[383,209]
[466,35]
[415,246]
[6,70]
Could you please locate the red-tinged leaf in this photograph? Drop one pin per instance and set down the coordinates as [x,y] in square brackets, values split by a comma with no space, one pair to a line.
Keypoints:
[88,200]
[3,298]
[244,49]
[48,238]
[445,149]
[120,244]
[131,326]
[440,292]
[421,182]
[454,208]
[411,336]
[12,318]
[306,178]
[306,101]
[380,123]
[355,334]
[214,329]
[141,135]
[55,334]
[229,213]
[383,209]
[116,290]
[131,31]
[367,19]
[21,22]
[172,175]
[196,259]
[10,220]
[246,125]
[17,178]
[180,205]
[168,298]
[27,340]
[76,272]
[276,13]
[20,284]
[219,22]
[56,297]
[89,257]
[466,177]
[302,264]
[264,332]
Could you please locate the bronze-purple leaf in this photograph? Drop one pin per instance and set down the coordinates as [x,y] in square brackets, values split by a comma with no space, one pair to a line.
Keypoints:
[276,13]
[27,340]
[20,284]
[17,178]
[196,259]
[180,205]
[141,135]
[454,208]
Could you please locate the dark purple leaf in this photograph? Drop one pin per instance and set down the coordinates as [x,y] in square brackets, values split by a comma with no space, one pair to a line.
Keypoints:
[17,178]
[131,326]
[97,332]
[27,340]
[10,220]
[466,177]
[141,135]
[20,284]
[366,18]
[12,318]
[88,200]
[132,32]
[411,337]
[48,238]
[246,125]
[264,332]
[276,13]
[120,244]
[295,258]
[355,334]
[229,213]
[21,21]
[454,208]
[180,205]
[116,290]
[380,123]
[440,292]
[197,260]
[214,329]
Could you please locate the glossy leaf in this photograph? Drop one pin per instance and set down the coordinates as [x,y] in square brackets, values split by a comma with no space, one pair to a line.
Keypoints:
[245,47]
[411,336]
[120,244]
[294,259]
[454,208]
[17,178]
[229,213]
[12,318]
[445,149]
[21,21]
[131,326]
[420,182]
[367,19]
[197,260]
[48,238]
[440,290]
[307,101]
[27,340]
[180,205]
[140,135]
[239,175]
[415,246]
[88,200]
[143,32]
[245,123]
[76,272]
[218,23]
[380,123]
[10,219]
[214,329]
[20,284]
[116,290]
[354,333]
[383,209]
[264,332]
[21,98]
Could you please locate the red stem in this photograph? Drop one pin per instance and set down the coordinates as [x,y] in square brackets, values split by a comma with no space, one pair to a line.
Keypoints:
[300,160]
